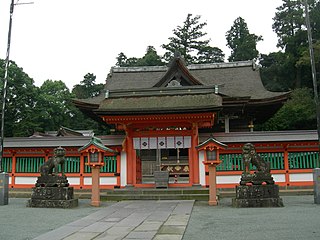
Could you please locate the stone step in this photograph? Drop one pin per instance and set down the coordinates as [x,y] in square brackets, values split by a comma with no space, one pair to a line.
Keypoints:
[199,197]
[149,193]
[155,191]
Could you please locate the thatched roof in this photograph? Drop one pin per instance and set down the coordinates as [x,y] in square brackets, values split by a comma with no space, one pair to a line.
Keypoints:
[180,88]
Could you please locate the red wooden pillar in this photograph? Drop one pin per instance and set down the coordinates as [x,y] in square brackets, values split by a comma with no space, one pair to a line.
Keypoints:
[212,185]
[95,196]
[131,166]
[81,171]
[13,169]
[119,167]
[286,165]
[194,163]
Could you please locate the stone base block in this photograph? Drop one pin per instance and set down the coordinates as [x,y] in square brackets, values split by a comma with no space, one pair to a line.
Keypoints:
[316,184]
[52,181]
[257,191]
[38,203]
[261,202]
[4,188]
[52,197]
[52,193]
[257,196]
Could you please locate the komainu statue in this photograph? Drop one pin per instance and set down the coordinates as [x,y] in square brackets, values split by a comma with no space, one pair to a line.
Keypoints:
[262,173]
[250,156]
[256,189]
[52,190]
[54,162]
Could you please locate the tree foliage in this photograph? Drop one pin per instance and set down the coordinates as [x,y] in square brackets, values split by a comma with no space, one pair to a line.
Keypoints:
[54,105]
[87,87]
[288,21]
[188,40]
[20,102]
[299,112]
[277,71]
[151,58]
[293,71]
[243,44]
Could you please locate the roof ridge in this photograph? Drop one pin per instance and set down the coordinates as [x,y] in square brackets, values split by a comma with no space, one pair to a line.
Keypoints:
[190,67]
[139,69]
[223,65]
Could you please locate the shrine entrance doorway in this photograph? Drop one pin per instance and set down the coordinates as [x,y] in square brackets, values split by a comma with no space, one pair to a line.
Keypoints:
[175,161]
[162,153]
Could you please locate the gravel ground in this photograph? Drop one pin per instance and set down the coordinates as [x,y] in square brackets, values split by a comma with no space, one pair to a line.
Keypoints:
[298,219]
[18,222]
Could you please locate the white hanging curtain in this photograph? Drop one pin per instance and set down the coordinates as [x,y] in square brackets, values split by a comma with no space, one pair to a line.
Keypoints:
[162,142]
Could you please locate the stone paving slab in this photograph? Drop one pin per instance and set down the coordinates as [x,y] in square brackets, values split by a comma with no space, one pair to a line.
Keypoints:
[129,220]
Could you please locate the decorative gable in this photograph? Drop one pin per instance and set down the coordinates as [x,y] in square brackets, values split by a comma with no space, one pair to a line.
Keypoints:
[177,75]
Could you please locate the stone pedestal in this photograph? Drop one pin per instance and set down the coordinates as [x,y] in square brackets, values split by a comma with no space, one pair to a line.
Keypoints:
[316,185]
[52,192]
[257,196]
[4,188]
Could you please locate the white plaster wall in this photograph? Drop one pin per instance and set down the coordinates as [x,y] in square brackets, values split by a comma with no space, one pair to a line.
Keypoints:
[228,179]
[87,181]
[108,180]
[300,177]
[26,180]
[103,181]
[279,177]
[74,180]
[123,169]
[202,170]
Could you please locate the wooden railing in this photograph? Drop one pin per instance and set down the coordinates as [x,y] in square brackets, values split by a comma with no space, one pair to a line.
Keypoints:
[291,167]
[24,170]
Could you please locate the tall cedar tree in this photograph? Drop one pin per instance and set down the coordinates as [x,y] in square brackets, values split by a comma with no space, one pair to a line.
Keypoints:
[243,44]
[54,105]
[188,40]
[288,21]
[87,87]
[151,58]
[20,113]
[292,70]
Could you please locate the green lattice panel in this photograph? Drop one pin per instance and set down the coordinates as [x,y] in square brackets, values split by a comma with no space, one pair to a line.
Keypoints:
[303,160]
[7,164]
[110,165]
[71,165]
[29,164]
[230,162]
[233,162]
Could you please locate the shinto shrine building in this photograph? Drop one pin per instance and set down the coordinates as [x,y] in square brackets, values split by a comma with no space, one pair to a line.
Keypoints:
[160,114]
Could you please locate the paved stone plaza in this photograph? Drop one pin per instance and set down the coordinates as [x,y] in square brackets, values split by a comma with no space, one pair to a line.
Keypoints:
[169,220]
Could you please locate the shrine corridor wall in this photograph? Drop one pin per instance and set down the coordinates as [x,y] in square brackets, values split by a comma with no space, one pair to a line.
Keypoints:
[291,165]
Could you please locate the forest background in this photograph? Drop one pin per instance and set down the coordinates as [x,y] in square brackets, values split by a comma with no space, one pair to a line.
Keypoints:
[31,109]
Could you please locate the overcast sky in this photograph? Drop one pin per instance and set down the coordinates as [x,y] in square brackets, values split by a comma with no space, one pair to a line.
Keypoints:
[65,39]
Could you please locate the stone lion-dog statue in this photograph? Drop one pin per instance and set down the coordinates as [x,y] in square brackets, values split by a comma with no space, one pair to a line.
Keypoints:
[54,162]
[250,156]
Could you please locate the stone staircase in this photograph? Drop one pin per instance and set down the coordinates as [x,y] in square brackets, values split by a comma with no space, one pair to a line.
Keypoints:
[200,194]
[192,193]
